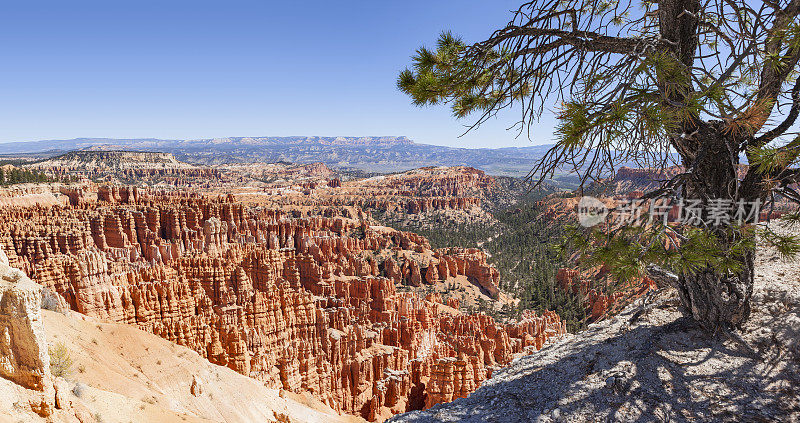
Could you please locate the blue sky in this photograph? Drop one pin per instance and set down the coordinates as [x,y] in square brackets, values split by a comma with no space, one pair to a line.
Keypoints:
[201,69]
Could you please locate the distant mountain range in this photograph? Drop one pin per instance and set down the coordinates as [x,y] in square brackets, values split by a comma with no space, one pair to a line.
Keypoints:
[368,154]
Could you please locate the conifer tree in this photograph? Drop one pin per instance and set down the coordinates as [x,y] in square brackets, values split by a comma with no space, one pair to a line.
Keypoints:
[656,83]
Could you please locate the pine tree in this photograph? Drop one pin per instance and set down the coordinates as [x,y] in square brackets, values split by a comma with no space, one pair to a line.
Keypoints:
[653,83]
[13,176]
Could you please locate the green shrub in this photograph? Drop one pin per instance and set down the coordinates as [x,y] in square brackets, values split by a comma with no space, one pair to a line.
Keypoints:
[60,360]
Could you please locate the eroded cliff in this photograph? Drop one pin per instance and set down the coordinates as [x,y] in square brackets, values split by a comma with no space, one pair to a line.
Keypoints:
[304,300]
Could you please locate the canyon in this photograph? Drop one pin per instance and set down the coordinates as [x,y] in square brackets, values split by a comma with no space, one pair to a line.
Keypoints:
[291,275]
[289,282]
[285,292]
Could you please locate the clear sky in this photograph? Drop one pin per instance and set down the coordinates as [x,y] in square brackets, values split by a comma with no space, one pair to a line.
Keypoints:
[200,69]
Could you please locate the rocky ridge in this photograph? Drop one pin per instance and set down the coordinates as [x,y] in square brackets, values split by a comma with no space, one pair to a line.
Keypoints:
[369,154]
[137,166]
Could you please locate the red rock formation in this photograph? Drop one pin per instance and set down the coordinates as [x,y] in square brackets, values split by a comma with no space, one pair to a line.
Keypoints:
[292,300]
[126,165]
[418,191]
[457,181]
[592,286]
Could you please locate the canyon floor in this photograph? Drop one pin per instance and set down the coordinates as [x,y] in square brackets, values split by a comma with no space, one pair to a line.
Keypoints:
[650,363]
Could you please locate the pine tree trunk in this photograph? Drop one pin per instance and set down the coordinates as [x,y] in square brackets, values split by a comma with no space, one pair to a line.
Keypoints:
[718,300]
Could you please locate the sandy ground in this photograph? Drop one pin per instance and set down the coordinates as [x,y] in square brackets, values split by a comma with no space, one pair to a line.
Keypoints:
[655,366]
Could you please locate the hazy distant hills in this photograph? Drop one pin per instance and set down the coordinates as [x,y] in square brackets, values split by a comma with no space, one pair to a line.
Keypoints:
[369,154]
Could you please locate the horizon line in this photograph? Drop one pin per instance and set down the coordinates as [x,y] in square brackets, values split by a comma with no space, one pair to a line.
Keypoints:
[399,137]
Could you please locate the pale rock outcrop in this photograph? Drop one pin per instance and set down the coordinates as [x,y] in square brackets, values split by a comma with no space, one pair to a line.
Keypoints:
[24,357]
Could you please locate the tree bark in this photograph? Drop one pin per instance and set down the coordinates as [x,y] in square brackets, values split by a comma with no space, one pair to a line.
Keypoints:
[718,300]
[714,298]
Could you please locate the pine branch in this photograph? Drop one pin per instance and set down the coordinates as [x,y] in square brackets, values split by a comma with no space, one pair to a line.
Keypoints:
[662,276]
[791,117]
